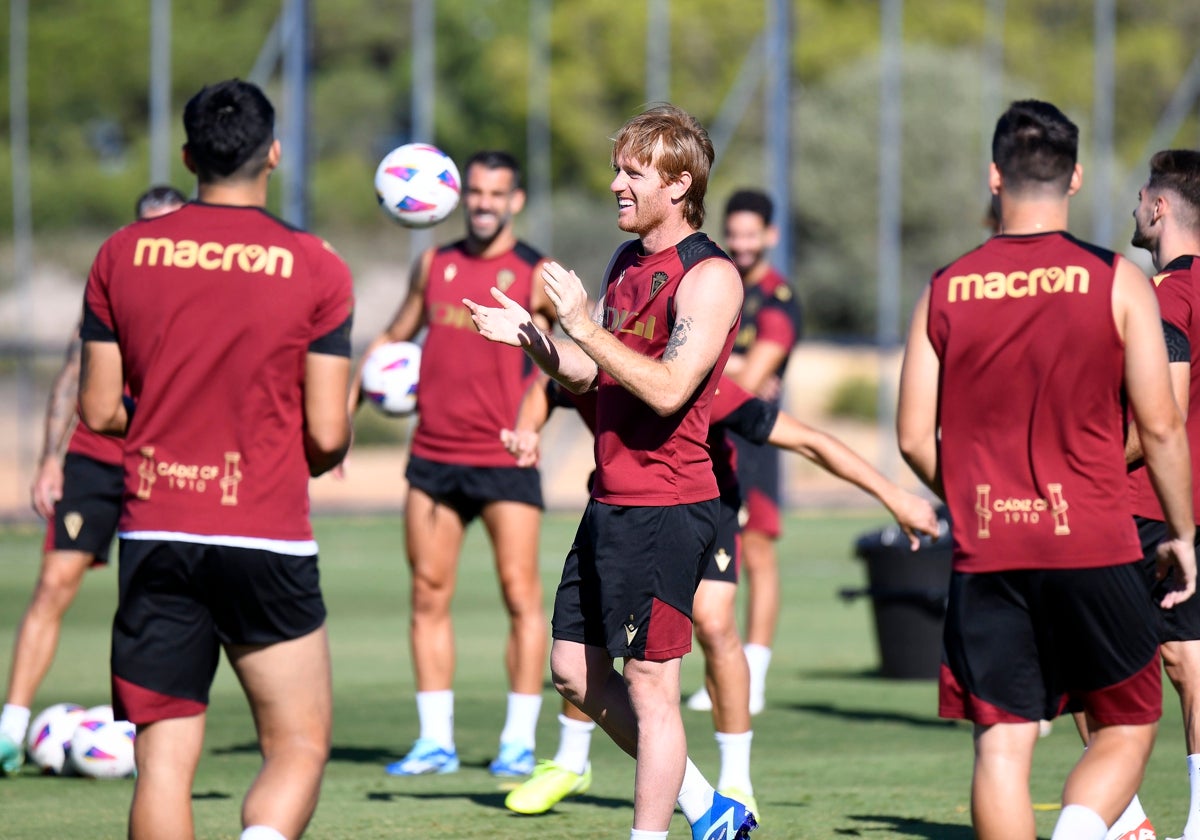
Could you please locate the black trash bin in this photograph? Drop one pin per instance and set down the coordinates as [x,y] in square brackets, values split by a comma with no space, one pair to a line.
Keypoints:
[908,591]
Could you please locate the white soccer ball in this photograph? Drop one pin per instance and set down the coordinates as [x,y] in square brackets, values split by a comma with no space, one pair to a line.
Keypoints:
[417,184]
[102,749]
[50,735]
[390,375]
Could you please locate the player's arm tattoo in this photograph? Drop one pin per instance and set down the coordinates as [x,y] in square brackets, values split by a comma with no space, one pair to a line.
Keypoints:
[679,337]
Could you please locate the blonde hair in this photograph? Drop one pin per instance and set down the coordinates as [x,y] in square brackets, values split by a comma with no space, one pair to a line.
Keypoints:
[674,142]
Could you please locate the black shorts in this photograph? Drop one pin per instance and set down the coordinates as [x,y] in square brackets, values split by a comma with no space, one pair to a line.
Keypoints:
[179,602]
[467,489]
[1020,645]
[85,518]
[1181,623]
[758,475]
[631,575]
[722,562]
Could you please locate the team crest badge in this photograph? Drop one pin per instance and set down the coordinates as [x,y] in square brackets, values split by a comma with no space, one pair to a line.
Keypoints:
[450,273]
[657,282]
[74,524]
[722,557]
[504,279]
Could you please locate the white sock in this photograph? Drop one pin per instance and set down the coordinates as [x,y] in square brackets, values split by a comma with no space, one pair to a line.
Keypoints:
[1078,822]
[638,834]
[758,657]
[1191,829]
[695,794]
[735,761]
[436,712]
[1131,819]
[261,832]
[574,743]
[520,724]
[14,722]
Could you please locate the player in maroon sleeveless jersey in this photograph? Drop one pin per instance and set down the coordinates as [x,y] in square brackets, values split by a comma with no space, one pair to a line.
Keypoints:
[1010,409]
[1167,224]
[665,324]
[713,614]
[458,470]
[77,490]
[772,322]
[231,330]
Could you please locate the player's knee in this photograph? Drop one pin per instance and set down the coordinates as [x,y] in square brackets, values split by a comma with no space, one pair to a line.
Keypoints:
[715,632]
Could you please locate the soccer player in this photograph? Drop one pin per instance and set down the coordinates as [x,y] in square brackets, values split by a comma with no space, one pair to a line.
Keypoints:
[668,315]
[569,773]
[1167,224]
[772,322]
[459,470]
[231,330]
[77,490]
[1011,410]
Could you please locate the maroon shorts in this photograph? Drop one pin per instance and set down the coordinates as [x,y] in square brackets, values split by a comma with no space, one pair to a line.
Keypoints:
[1021,645]
[85,518]
[631,575]
[180,602]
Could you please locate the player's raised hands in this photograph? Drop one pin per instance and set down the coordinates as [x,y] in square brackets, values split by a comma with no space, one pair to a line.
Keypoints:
[1177,558]
[510,323]
[566,292]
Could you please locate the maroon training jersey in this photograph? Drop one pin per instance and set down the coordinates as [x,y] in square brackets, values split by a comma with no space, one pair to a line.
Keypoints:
[215,309]
[643,459]
[1032,439]
[470,387]
[98,447]
[770,312]
[1178,290]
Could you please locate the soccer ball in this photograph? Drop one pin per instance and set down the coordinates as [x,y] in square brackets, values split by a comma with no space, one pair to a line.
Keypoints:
[50,735]
[417,184]
[390,375]
[102,749]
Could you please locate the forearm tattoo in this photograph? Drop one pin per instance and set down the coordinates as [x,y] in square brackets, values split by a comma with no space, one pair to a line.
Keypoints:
[679,337]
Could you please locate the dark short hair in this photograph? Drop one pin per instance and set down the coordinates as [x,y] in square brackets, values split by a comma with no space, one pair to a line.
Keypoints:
[1035,145]
[157,197]
[230,127]
[496,159]
[1178,171]
[751,201]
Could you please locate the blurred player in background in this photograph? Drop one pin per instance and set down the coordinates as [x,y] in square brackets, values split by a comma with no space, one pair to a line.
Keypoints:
[77,489]
[713,613]
[772,322]
[667,318]
[459,470]
[1167,224]
[231,330]
[1011,410]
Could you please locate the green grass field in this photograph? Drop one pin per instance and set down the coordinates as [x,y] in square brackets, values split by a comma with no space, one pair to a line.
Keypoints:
[839,752]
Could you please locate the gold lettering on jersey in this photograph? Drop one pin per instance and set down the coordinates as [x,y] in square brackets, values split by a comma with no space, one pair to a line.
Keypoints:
[996,285]
[982,511]
[504,279]
[251,258]
[618,321]
[1015,510]
[146,476]
[231,479]
[73,522]
[450,315]
[193,477]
